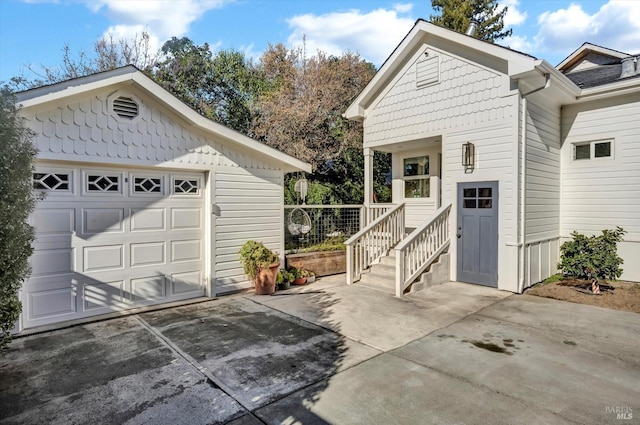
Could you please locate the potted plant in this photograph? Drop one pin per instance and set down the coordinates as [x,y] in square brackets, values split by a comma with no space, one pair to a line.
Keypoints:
[284,279]
[261,266]
[311,276]
[298,277]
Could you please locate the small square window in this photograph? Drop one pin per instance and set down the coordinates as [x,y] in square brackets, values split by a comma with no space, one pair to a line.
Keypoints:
[602,150]
[469,203]
[470,193]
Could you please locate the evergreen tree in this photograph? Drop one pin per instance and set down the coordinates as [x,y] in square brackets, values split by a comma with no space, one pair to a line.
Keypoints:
[456,15]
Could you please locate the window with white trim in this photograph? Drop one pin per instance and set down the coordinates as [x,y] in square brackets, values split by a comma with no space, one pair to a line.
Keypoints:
[592,150]
[416,177]
[147,185]
[186,186]
[51,181]
[103,183]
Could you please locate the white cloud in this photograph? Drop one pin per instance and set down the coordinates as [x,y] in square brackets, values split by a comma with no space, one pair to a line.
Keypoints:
[162,19]
[374,35]
[615,25]
[515,42]
[514,17]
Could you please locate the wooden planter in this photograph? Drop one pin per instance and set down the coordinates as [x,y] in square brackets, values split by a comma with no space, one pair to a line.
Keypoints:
[265,281]
[322,263]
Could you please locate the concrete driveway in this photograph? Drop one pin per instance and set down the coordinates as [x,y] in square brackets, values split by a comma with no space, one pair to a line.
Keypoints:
[336,354]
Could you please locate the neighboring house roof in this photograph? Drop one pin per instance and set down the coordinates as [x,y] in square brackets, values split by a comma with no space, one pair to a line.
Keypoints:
[593,66]
[129,74]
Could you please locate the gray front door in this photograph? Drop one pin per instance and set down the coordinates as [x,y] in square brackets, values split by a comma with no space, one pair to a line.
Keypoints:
[477,232]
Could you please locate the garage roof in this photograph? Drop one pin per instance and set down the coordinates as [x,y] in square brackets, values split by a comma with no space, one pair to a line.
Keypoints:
[131,75]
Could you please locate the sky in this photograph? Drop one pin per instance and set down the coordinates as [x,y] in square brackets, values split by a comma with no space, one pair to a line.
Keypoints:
[34,32]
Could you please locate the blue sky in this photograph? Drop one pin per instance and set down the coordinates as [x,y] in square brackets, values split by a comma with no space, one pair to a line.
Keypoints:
[35,31]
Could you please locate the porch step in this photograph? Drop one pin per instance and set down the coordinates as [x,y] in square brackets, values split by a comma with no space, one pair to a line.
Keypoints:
[437,275]
[381,276]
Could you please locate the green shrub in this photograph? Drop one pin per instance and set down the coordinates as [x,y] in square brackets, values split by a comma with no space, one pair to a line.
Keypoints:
[587,257]
[17,201]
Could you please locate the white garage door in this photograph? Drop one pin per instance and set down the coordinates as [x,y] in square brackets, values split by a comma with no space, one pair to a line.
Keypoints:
[109,239]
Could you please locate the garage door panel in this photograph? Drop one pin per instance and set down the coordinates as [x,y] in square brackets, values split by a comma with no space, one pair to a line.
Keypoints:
[102,220]
[47,262]
[148,288]
[149,219]
[147,254]
[186,218]
[51,303]
[103,257]
[101,295]
[54,221]
[185,283]
[188,250]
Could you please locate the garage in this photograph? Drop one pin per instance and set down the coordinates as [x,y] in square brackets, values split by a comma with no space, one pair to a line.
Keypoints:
[145,202]
[112,239]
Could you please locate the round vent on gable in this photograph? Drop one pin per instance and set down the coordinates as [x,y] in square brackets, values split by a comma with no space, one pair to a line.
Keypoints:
[125,107]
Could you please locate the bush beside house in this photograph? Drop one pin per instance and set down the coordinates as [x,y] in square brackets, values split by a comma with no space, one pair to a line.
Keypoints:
[17,201]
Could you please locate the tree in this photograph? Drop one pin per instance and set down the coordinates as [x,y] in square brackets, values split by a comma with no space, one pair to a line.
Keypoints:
[222,87]
[17,201]
[300,109]
[107,54]
[456,15]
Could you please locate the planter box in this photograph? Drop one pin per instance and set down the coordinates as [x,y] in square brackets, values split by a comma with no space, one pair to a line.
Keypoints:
[322,263]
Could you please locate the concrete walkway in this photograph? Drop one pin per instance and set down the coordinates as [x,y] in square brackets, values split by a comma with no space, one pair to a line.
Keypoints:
[335,354]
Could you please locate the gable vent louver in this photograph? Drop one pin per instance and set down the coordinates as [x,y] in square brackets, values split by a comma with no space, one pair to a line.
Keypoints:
[125,107]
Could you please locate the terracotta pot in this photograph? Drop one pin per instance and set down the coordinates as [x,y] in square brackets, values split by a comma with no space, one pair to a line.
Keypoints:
[300,281]
[265,281]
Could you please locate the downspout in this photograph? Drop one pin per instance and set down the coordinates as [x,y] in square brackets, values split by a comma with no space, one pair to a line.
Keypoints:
[523,179]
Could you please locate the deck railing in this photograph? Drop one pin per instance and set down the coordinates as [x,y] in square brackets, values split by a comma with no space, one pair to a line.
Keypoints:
[374,241]
[421,248]
[376,210]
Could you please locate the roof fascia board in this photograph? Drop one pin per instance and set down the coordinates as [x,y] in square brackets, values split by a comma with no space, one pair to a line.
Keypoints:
[619,88]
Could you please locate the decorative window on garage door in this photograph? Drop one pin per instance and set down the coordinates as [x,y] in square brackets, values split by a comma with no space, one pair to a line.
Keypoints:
[147,185]
[186,186]
[103,183]
[54,181]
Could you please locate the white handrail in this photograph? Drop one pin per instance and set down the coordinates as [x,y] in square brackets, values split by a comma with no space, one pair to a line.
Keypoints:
[374,241]
[421,248]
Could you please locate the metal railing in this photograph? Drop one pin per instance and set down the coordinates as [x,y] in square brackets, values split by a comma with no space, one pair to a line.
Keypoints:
[421,248]
[374,241]
[334,223]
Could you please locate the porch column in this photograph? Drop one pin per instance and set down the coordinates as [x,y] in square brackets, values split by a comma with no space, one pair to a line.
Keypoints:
[368,182]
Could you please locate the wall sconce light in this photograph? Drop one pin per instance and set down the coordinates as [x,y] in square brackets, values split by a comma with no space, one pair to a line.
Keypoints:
[468,156]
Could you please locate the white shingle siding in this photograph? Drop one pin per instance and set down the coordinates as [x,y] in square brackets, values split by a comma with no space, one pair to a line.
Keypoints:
[604,192]
[84,130]
[467,94]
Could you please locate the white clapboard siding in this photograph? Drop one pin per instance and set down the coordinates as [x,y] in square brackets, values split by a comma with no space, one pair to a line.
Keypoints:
[248,206]
[603,193]
[542,213]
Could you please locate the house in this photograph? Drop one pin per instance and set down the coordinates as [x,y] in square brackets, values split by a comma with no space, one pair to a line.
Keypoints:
[498,157]
[147,202]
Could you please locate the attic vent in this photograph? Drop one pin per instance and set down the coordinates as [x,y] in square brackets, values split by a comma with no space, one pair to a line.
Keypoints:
[125,107]
[427,72]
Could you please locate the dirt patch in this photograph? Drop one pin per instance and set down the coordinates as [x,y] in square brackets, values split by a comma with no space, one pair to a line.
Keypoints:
[619,295]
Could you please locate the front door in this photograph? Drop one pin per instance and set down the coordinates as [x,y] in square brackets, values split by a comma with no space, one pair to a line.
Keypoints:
[477,232]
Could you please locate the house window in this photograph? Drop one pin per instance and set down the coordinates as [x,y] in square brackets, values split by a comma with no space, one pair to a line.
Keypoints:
[416,177]
[595,149]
